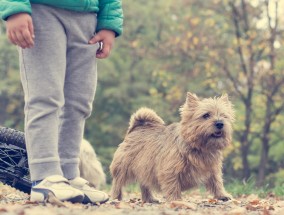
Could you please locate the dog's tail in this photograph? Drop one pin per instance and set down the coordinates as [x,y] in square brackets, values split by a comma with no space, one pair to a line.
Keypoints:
[144,117]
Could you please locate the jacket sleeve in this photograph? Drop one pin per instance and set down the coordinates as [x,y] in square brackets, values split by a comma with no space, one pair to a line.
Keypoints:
[110,16]
[11,7]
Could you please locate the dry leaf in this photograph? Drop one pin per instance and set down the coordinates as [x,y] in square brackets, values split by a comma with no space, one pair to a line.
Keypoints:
[28,202]
[213,201]
[122,205]
[3,210]
[252,197]
[270,207]
[134,200]
[237,211]
[182,204]
[54,201]
[253,207]
[236,202]
[254,202]
[266,212]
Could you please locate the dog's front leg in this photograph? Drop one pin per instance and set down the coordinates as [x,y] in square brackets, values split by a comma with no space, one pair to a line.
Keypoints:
[215,185]
[170,187]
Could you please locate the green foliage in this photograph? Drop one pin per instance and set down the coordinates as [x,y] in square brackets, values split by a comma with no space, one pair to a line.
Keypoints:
[238,188]
[11,93]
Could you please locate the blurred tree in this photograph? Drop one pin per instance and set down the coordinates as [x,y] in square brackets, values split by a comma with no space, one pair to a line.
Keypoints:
[11,95]
[272,84]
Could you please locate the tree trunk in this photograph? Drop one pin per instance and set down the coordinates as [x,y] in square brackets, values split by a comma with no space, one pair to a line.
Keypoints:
[263,162]
[245,163]
[265,143]
[244,139]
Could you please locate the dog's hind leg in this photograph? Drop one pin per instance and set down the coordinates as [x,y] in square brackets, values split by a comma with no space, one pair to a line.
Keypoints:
[116,190]
[147,195]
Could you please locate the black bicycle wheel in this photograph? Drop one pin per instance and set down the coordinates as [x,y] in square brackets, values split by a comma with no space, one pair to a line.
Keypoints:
[14,169]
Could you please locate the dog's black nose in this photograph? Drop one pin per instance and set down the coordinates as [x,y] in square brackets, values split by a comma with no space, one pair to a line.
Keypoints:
[219,124]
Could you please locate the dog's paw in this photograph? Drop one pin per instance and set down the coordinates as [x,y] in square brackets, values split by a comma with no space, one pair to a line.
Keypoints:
[224,198]
[152,200]
[155,201]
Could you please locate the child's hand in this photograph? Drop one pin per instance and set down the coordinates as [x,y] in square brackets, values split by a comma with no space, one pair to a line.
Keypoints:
[20,30]
[107,38]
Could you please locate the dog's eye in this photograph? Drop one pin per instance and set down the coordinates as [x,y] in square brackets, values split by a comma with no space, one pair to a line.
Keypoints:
[206,116]
[224,116]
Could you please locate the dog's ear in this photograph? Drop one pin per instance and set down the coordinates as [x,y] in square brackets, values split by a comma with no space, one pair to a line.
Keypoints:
[192,99]
[191,103]
[225,99]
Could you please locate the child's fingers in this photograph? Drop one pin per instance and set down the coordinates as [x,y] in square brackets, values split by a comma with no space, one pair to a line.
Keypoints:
[20,40]
[104,53]
[28,38]
[12,37]
[24,38]
[20,30]
[95,39]
[31,28]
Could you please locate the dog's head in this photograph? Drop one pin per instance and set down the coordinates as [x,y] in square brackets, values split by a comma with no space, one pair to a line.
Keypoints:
[207,123]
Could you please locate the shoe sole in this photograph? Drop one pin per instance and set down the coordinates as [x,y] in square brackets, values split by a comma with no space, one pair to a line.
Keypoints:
[44,193]
[86,200]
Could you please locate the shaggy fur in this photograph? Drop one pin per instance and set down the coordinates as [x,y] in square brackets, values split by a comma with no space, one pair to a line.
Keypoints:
[173,158]
[90,167]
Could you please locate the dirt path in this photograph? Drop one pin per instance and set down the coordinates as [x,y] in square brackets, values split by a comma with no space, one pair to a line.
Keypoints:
[13,202]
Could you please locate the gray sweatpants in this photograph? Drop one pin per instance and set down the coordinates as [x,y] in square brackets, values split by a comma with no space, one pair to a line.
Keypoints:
[59,80]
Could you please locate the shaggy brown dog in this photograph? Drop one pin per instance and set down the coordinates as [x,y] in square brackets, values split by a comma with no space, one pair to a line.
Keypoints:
[176,157]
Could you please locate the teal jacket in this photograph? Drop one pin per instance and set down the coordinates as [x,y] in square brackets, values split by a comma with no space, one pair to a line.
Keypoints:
[109,12]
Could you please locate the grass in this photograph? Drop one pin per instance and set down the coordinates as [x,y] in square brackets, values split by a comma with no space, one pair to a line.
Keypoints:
[130,188]
[239,188]
[235,187]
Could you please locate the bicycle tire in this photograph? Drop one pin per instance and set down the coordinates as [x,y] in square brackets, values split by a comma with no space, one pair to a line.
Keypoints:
[13,137]
[14,169]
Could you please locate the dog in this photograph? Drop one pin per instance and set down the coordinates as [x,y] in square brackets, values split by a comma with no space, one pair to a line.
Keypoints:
[90,167]
[176,157]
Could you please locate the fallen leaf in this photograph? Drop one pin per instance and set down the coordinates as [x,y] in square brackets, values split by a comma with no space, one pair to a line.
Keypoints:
[252,197]
[213,201]
[253,207]
[254,202]
[54,201]
[237,211]
[270,207]
[122,205]
[266,212]
[3,210]
[182,204]
[236,202]
[28,202]
[134,200]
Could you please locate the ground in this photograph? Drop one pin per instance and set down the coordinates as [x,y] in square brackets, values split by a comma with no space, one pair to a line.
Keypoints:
[14,202]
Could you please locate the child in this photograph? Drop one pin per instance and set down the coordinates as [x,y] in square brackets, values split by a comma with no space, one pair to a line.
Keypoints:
[58,48]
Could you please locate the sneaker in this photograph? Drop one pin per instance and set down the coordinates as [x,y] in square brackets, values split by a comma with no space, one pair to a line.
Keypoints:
[92,195]
[58,186]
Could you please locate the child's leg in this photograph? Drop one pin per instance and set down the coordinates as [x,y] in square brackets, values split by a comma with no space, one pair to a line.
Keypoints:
[42,73]
[79,89]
